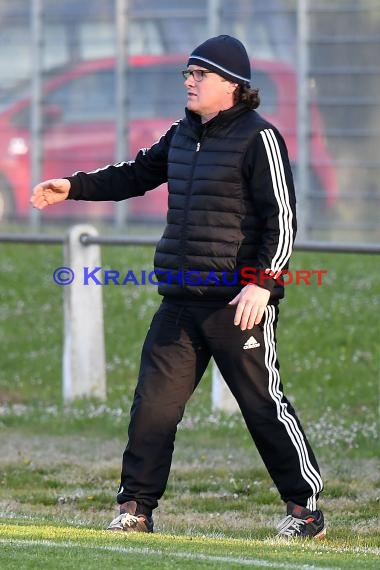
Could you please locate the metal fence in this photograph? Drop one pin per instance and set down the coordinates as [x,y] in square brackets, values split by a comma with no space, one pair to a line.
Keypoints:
[88,83]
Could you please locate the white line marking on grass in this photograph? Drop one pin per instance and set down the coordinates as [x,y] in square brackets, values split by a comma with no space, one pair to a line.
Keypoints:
[154,552]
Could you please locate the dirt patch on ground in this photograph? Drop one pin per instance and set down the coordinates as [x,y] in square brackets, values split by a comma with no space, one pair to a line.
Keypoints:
[45,449]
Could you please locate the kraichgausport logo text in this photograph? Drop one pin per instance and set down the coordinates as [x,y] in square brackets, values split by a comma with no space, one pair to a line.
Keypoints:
[244,276]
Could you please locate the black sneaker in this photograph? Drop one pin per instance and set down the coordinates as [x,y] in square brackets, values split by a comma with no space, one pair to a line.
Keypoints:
[302,523]
[130,521]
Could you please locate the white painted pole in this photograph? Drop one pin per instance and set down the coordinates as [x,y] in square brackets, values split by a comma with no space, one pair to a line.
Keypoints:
[83,353]
[221,396]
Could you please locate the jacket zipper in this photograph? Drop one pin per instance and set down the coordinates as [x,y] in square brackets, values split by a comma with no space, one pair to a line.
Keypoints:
[183,236]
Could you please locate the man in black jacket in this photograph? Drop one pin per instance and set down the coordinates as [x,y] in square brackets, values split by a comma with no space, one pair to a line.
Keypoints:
[230,229]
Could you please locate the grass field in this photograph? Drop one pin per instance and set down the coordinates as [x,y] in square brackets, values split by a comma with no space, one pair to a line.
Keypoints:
[59,466]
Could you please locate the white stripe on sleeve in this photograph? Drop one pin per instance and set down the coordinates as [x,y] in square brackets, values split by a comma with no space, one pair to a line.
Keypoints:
[280,189]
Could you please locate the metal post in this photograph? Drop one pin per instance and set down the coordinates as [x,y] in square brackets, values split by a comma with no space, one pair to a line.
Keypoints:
[35,144]
[121,99]
[213,17]
[303,118]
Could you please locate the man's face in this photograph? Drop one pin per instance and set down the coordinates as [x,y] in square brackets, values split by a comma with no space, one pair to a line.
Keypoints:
[209,95]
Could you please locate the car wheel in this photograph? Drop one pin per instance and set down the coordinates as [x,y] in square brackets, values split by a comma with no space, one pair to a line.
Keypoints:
[7,206]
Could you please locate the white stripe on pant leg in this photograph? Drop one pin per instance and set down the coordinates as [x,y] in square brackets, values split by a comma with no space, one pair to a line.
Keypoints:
[308,472]
[287,419]
[312,503]
[295,434]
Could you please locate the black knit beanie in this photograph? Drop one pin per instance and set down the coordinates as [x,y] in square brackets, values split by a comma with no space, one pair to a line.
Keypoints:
[226,56]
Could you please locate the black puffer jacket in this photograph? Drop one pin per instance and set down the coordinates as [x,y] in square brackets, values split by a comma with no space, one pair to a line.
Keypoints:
[231,202]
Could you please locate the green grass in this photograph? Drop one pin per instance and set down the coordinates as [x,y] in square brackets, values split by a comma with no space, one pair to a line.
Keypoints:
[59,466]
[327,339]
[66,547]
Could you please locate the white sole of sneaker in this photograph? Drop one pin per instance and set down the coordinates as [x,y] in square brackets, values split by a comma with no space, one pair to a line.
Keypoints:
[321,535]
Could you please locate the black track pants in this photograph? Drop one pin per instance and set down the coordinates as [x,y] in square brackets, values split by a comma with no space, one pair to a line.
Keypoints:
[179,344]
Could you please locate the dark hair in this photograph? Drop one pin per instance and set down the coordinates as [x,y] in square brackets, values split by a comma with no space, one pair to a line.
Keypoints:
[247,95]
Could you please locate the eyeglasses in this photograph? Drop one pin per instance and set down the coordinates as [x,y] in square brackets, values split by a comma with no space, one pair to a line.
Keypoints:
[197,74]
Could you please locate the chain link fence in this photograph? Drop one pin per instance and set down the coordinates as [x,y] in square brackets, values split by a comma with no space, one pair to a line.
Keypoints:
[88,83]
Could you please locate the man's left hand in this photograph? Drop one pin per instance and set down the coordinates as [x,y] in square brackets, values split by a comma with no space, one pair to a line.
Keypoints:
[251,303]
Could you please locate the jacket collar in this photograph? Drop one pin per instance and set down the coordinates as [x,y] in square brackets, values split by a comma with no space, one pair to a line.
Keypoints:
[223,117]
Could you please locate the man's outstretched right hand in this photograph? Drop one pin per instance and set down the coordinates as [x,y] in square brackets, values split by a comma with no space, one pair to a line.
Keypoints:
[50,192]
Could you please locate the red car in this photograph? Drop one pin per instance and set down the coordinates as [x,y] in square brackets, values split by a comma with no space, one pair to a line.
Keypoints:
[79,128]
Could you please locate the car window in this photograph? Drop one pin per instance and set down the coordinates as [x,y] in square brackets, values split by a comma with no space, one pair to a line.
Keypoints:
[156,92]
[84,98]
[152,92]
[80,100]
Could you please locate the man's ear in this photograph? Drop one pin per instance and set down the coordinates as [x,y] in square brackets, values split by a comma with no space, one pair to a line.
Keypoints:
[232,87]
